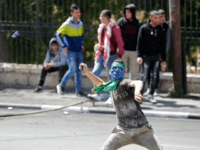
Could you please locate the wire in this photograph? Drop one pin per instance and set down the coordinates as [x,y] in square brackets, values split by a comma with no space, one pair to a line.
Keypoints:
[46,110]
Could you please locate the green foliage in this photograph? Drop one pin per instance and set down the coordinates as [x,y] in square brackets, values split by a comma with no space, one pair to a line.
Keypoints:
[190,20]
[52,13]
[177,91]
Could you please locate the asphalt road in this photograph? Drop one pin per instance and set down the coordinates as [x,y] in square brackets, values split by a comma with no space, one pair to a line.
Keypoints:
[26,96]
[75,131]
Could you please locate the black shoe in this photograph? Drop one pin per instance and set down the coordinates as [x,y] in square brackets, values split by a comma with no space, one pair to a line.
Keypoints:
[63,89]
[37,90]
[80,93]
[152,100]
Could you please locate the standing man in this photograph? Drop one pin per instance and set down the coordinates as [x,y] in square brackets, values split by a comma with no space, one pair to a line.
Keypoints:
[165,25]
[129,25]
[70,37]
[109,36]
[133,127]
[150,50]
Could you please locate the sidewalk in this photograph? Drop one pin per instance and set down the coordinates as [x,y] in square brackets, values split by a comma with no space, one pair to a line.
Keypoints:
[167,107]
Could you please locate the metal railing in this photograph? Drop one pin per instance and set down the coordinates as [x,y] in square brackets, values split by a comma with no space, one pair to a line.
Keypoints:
[38,20]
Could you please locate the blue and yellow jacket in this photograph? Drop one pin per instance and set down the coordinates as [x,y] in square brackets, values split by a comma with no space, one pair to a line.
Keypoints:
[70,34]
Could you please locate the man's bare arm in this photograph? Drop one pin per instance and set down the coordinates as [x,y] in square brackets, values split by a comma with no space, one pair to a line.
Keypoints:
[96,80]
[137,84]
[138,87]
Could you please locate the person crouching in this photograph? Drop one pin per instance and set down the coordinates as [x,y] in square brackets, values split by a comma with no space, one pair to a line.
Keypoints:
[55,61]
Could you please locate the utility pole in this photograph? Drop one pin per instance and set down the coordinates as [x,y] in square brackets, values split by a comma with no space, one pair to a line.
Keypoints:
[36,25]
[175,24]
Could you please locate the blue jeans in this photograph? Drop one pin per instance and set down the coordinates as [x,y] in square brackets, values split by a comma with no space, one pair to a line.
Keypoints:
[98,66]
[74,59]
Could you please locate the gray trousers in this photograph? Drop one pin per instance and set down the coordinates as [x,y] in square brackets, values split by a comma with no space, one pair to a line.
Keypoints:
[133,66]
[143,136]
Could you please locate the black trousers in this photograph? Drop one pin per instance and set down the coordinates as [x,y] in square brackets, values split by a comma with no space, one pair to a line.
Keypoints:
[150,67]
[157,78]
[61,69]
[158,75]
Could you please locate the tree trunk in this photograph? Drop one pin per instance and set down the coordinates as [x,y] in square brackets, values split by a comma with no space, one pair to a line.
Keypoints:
[175,23]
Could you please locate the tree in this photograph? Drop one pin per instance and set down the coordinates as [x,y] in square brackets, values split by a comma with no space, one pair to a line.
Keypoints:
[20,15]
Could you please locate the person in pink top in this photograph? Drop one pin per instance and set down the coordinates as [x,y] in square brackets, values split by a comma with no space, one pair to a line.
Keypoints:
[109,48]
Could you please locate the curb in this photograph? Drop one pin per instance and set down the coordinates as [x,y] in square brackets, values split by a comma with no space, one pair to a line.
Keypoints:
[78,109]
[20,106]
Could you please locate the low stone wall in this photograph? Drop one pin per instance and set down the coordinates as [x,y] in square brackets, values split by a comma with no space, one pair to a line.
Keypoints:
[28,76]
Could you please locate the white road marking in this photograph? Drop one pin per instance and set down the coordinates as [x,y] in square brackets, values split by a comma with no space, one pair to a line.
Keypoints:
[179,146]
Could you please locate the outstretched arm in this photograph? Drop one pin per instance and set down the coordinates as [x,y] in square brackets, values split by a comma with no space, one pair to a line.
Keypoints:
[96,80]
[138,87]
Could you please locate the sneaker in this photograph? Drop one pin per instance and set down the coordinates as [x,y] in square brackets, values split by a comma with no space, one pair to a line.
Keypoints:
[80,93]
[147,92]
[37,89]
[156,93]
[152,100]
[109,101]
[95,97]
[59,89]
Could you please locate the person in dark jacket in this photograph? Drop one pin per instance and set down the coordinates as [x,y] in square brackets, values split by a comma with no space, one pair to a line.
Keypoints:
[150,50]
[55,61]
[130,25]
[165,25]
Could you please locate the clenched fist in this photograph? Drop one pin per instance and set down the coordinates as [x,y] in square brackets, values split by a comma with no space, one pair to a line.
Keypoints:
[138,96]
[83,67]
[139,60]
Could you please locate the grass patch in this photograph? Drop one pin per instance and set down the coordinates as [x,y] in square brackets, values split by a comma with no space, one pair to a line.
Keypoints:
[176,91]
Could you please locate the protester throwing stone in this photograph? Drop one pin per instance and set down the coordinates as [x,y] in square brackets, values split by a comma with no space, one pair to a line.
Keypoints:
[133,127]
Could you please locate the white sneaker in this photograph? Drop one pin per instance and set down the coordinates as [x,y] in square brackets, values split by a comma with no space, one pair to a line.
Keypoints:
[109,101]
[152,100]
[147,92]
[59,89]
[95,97]
[156,93]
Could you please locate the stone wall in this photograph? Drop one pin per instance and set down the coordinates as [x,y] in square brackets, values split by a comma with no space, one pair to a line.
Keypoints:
[28,76]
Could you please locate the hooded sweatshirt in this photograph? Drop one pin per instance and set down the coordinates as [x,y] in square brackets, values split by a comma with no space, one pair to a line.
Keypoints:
[151,41]
[57,58]
[129,28]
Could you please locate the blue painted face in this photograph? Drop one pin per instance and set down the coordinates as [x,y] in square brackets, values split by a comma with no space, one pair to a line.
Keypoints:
[117,72]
